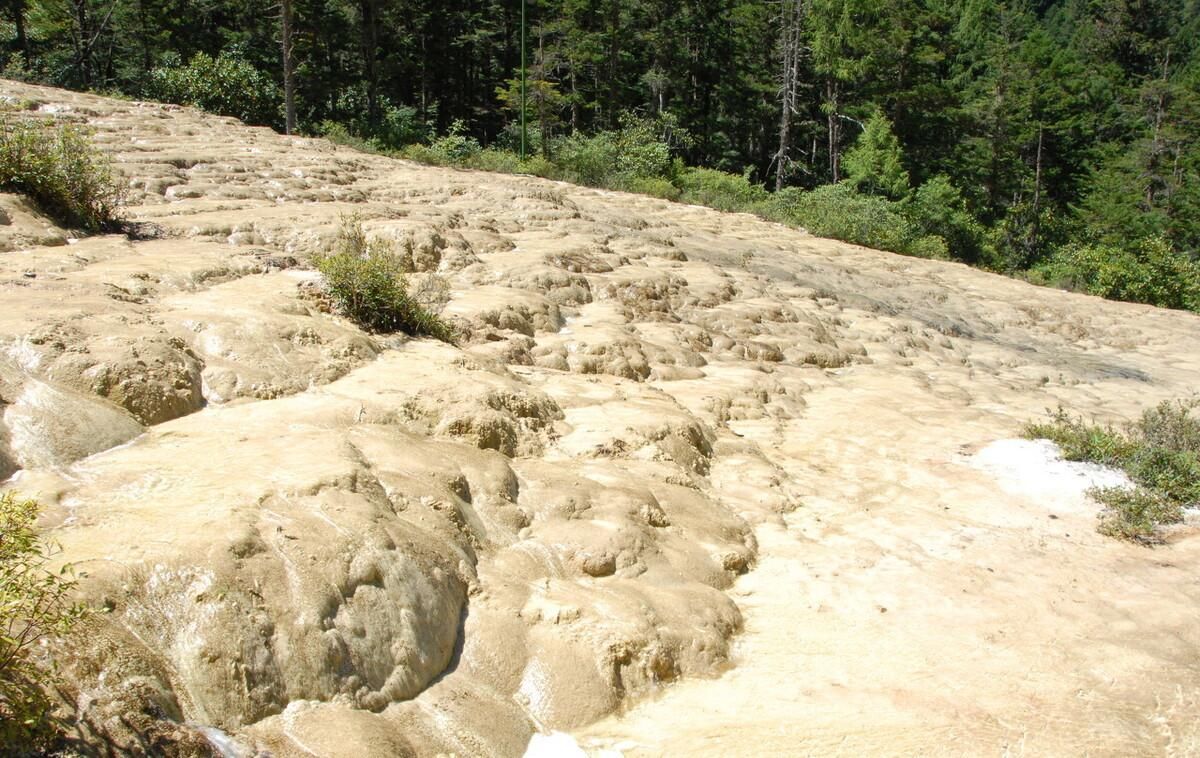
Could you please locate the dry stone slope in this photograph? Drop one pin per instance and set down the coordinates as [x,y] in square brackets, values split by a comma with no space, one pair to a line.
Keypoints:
[321,541]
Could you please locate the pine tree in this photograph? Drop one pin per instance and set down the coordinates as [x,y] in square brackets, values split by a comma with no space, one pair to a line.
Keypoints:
[875,165]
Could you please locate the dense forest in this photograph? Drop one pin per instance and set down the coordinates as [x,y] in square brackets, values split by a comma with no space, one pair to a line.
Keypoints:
[1059,139]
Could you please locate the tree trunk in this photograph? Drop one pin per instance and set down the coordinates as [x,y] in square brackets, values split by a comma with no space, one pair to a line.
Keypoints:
[18,20]
[370,48]
[834,125]
[83,51]
[574,102]
[543,116]
[791,16]
[614,55]
[1035,227]
[289,78]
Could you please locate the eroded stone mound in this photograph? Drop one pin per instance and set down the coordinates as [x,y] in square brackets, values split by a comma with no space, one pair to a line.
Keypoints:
[321,541]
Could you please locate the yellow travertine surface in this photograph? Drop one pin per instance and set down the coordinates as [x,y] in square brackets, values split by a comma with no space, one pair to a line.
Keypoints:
[710,473]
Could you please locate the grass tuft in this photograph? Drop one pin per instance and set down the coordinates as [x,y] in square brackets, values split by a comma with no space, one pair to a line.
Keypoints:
[366,280]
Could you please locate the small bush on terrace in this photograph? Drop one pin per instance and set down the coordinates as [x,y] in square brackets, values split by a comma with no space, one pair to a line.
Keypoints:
[367,282]
[56,166]
[34,605]
[1160,453]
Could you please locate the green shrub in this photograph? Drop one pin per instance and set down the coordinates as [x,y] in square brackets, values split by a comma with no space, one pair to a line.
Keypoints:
[456,148]
[399,125]
[34,605]
[58,168]
[1160,453]
[496,161]
[1080,441]
[536,165]
[592,161]
[838,211]
[720,190]
[613,159]
[841,212]
[654,186]
[1149,271]
[1167,458]
[227,85]
[340,135]
[938,209]
[1134,514]
[366,280]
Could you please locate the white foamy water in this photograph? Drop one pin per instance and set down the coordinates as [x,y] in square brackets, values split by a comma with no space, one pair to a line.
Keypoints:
[226,746]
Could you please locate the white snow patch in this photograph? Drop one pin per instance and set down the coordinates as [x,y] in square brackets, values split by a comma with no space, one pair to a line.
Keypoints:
[1035,469]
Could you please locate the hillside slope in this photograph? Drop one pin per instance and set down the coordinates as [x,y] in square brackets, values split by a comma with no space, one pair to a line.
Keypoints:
[325,542]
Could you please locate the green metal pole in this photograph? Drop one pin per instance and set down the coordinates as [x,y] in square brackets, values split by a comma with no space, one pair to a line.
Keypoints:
[522,79]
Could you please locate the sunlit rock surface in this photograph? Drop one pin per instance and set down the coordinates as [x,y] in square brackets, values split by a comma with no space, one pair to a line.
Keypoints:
[312,540]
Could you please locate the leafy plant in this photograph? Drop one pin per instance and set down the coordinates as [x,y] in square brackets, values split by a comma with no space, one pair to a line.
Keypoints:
[654,186]
[641,149]
[1160,453]
[455,148]
[720,190]
[57,167]
[1134,514]
[34,605]
[840,212]
[937,208]
[1081,441]
[366,280]
[1150,271]
[227,85]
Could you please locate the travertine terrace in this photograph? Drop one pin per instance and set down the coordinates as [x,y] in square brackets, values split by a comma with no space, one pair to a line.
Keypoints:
[662,421]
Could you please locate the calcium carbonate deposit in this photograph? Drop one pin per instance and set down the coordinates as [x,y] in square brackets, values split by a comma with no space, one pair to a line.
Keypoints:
[728,480]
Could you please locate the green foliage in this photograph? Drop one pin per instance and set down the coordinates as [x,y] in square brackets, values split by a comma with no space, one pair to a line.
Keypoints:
[34,605]
[838,211]
[654,186]
[385,128]
[1167,459]
[398,125]
[366,280]
[1080,441]
[455,148]
[339,134]
[720,190]
[937,208]
[57,167]
[589,160]
[1134,514]
[640,149]
[875,165]
[227,85]
[1148,272]
[543,106]
[1160,453]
